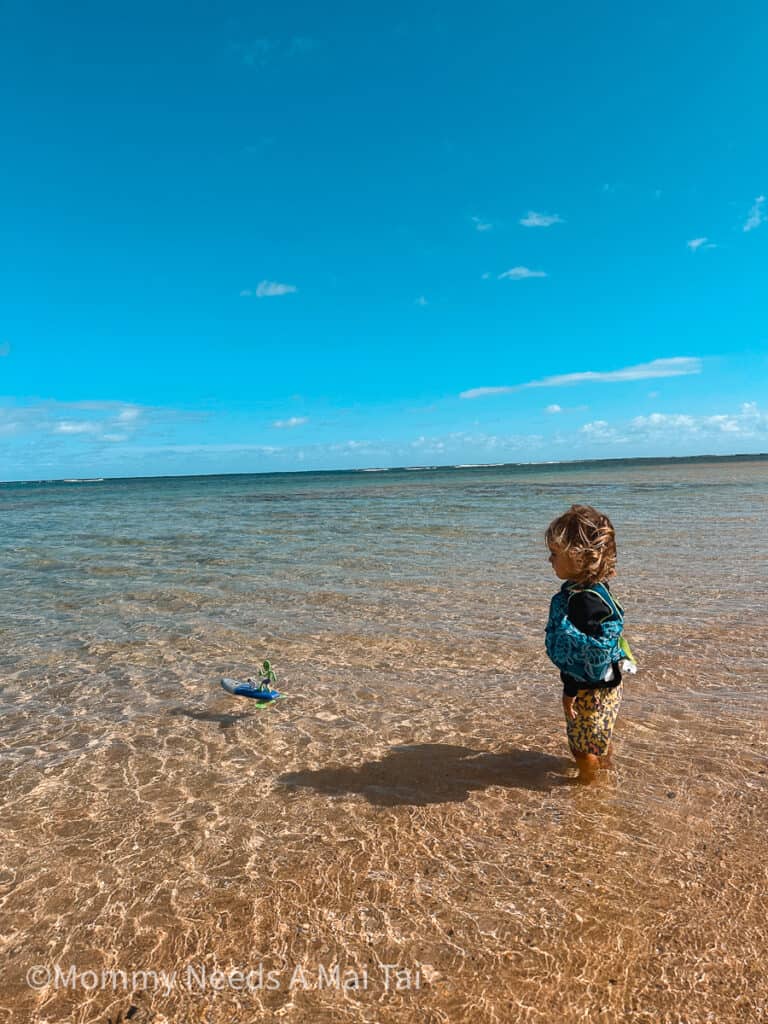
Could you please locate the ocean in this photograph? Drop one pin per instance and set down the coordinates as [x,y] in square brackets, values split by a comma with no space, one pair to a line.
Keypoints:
[411,801]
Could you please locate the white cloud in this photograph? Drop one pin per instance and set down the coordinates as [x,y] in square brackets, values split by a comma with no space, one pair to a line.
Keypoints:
[555,409]
[698,243]
[481,225]
[76,427]
[749,422]
[353,447]
[207,449]
[263,51]
[756,214]
[679,421]
[540,220]
[676,366]
[84,421]
[520,273]
[428,444]
[483,392]
[601,430]
[268,289]
[422,301]
[294,421]
[456,443]
[129,414]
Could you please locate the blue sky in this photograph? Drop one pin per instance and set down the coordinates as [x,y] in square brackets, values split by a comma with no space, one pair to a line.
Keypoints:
[275,237]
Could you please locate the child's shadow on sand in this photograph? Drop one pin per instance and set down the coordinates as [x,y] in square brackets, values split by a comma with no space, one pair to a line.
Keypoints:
[435,773]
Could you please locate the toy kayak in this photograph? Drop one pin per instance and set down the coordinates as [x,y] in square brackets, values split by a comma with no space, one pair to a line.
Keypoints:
[258,691]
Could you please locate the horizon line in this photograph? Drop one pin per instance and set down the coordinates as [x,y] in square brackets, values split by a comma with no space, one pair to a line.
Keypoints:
[389,469]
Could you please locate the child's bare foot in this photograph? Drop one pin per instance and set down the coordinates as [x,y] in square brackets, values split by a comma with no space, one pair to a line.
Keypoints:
[588,765]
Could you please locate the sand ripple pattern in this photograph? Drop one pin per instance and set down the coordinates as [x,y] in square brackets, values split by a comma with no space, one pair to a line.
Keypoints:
[411,802]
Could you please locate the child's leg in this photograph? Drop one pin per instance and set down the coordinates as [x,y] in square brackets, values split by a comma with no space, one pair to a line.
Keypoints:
[589,734]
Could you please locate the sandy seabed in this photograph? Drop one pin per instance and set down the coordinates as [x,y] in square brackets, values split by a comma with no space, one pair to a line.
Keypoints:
[359,853]
[402,838]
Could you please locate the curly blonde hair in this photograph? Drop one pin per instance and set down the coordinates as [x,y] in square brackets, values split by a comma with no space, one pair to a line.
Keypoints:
[588,537]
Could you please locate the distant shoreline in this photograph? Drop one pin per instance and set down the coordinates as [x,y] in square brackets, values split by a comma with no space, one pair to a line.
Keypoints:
[652,460]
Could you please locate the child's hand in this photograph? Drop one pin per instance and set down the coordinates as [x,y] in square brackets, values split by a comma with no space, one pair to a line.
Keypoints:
[568,702]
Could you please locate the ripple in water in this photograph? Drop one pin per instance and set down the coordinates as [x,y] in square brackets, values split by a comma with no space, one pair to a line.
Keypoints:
[411,801]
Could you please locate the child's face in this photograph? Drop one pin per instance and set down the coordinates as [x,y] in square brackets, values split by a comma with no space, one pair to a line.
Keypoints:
[562,564]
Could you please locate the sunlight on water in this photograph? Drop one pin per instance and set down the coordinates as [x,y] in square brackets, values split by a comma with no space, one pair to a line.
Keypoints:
[412,801]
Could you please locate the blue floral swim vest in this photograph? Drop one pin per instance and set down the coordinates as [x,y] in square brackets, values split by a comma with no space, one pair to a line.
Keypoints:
[586,658]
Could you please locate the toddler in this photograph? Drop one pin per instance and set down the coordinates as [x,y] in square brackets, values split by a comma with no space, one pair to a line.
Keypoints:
[584,632]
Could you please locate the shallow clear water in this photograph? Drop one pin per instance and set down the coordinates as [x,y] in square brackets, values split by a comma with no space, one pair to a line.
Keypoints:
[411,801]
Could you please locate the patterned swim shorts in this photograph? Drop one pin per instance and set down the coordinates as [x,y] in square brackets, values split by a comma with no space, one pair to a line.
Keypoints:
[596,710]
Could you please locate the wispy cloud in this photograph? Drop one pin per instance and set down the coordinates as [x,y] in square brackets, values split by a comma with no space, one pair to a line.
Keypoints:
[302,44]
[76,427]
[553,409]
[255,52]
[485,392]
[700,243]
[129,414]
[268,289]
[481,225]
[89,420]
[756,214]
[540,220]
[521,273]
[293,421]
[351,446]
[263,51]
[458,442]
[676,366]
[207,449]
